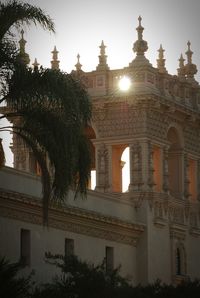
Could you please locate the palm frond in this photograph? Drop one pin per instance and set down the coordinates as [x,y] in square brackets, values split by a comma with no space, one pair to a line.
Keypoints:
[15,12]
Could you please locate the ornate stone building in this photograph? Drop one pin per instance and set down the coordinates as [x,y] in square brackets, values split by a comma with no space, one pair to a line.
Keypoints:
[153,229]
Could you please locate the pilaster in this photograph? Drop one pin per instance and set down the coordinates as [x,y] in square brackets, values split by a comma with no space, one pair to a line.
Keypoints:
[135,167]
[102,168]
[186,177]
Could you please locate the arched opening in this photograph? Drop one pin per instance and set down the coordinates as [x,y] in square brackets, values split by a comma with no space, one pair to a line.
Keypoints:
[174,163]
[120,168]
[125,158]
[91,135]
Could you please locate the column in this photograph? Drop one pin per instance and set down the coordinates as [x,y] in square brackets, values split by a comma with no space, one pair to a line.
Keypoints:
[186,177]
[102,168]
[151,182]
[135,167]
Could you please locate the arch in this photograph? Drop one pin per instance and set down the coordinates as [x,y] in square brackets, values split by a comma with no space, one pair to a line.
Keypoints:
[177,130]
[175,166]
[117,167]
[125,162]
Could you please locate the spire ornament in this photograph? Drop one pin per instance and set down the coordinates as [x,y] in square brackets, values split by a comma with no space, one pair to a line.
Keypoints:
[190,68]
[102,58]
[78,65]
[23,57]
[161,61]
[140,47]
[55,62]
[181,69]
[35,64]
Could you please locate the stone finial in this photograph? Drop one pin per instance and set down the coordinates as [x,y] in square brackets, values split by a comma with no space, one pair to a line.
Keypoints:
[55,62]
[23,56]
[140,47]
[189,53]
[35,64]
[190,68]
[181,69]
[161,61]
[102,58]
[78,65]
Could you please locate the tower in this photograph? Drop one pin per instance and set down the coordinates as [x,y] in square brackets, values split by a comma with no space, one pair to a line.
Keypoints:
[157,118]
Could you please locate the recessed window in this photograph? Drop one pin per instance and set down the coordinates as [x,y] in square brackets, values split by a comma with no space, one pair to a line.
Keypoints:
[109,258]
[69,247]
[25,247]
[180,261]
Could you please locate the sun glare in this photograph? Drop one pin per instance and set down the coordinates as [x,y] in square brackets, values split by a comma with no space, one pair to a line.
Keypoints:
[124,83]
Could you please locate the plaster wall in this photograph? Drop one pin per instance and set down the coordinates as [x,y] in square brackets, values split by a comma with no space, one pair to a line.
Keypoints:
[53,240]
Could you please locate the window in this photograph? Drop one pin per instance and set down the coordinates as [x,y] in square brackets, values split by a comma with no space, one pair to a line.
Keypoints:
[109,258]
[69,247]
[180,260]
[25,247]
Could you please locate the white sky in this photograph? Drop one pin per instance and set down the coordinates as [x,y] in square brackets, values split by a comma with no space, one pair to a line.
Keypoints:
[82,24]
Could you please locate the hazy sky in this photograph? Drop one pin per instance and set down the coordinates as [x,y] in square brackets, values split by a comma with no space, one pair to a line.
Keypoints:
[82,24]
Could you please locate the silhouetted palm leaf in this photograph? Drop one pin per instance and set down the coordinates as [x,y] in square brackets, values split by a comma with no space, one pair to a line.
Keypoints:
[52,110]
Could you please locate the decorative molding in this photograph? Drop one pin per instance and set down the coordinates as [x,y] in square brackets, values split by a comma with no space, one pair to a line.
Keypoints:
[90,223]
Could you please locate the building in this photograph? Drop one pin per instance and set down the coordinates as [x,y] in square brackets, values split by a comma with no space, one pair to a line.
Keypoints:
[153,229]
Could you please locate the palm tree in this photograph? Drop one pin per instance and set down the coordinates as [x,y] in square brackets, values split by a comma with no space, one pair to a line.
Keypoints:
[53,109]
[11,284]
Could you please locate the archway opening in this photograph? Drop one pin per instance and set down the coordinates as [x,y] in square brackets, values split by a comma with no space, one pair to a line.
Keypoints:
[125,158]
[120,168]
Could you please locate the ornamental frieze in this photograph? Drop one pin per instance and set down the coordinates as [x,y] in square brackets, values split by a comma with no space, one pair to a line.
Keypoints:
[90,223]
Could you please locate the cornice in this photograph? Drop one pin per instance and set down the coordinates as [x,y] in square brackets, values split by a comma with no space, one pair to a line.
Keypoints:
[93,224]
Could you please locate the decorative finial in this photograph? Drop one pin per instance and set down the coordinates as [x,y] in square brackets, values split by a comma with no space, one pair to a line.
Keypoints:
[140,29]
[189,53]
[161,61]
[139,19]
[78,64]
[190,68]
[140,47]
[23,56]
[181,61]
[35,64]
[181,69]
[102,58]
[55,62]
